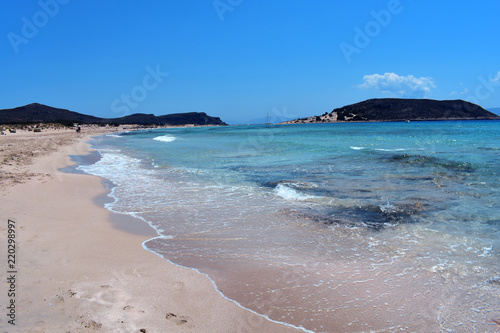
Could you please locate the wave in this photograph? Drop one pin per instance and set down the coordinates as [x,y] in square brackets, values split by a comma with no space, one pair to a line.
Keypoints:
[395,149]
[107,150]
[291,194]
[117,167]
[129,179]
[165,138]
[384,149]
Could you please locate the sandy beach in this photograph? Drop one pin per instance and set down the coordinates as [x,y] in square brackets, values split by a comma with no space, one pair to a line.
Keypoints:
[79,267]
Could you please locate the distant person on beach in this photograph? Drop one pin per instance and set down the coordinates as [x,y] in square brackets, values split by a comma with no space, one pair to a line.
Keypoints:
[78,129]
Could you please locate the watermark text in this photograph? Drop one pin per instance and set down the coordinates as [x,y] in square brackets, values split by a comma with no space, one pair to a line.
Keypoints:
[31,27]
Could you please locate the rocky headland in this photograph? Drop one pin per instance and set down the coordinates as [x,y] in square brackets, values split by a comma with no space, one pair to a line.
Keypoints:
[397,109]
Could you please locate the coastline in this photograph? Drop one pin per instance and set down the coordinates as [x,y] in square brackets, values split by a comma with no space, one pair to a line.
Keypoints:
[80,267]
[304,122]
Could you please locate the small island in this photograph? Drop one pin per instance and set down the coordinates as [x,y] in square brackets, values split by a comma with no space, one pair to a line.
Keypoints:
[398,109]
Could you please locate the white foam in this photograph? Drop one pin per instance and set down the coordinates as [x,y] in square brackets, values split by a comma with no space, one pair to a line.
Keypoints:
[395,149]
[388,208]
[384,149]
[116,167]
[165,138]
[101,151]
[486,251]
[121,169]
[288,193]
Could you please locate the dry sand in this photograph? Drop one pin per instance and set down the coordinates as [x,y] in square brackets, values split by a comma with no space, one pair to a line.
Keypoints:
[76,271]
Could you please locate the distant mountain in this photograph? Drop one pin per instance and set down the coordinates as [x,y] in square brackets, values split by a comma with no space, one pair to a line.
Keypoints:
[397,109]
[39,113]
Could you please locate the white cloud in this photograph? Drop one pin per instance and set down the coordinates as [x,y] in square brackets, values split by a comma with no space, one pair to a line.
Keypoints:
[496,78]
[401,86]
[460,93]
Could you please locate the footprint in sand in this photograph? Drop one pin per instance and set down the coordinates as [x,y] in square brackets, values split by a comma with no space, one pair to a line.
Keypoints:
[179,320]
[92,324]
[128,308]
[178,286]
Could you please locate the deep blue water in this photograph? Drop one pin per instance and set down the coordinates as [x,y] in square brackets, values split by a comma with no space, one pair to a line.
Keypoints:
[351,227]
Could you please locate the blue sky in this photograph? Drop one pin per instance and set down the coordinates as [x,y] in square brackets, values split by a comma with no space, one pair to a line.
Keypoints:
[241,60]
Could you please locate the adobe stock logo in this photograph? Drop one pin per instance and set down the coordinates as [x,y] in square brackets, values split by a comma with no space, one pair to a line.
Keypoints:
[485,88]
[223,6]
[30,28]
[373,28]
[139,93]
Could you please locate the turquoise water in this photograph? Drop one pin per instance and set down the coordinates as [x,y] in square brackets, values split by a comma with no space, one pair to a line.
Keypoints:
[327,227]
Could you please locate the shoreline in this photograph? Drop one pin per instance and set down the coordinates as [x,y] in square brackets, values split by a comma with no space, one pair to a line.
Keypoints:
[298,121]
[78,271]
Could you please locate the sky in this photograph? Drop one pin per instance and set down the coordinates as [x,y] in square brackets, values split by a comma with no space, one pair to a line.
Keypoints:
[244,60]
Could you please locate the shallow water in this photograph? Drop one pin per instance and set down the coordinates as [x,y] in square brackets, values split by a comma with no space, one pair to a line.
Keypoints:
[331,227]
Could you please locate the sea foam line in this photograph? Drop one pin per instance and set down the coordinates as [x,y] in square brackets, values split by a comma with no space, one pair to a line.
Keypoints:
[384,149]
[112,158]
[165,138]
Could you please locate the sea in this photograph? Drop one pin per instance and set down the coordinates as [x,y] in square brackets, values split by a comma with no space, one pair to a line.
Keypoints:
[344,227]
